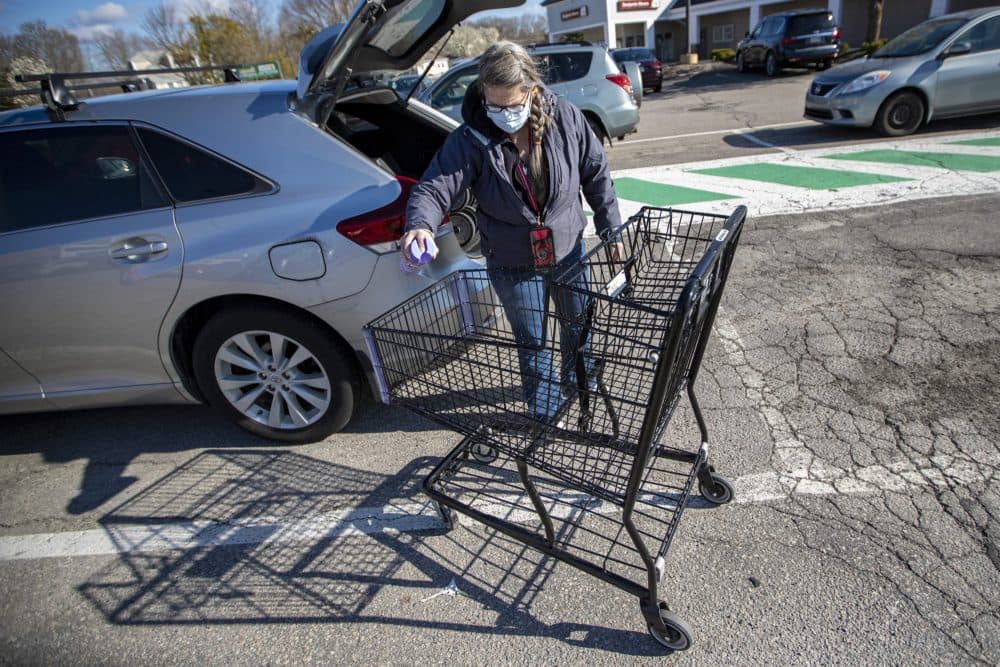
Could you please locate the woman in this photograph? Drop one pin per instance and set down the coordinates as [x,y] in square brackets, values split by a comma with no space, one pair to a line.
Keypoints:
[525,154]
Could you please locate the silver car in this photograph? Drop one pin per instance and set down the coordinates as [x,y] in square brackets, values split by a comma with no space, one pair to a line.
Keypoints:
[584,74]
[219,243]
[944,67]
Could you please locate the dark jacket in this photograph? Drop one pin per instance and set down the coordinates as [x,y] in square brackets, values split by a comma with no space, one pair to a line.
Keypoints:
[472,157]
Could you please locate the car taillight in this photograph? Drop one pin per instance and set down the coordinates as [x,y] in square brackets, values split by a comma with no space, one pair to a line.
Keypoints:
[786,40]
[621,80]
[836,33]
[657,64]
[382,228]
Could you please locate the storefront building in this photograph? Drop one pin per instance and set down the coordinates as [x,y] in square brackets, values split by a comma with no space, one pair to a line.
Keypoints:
[717,24]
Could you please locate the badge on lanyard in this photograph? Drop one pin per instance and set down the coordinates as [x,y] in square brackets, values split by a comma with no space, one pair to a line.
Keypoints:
[543,251]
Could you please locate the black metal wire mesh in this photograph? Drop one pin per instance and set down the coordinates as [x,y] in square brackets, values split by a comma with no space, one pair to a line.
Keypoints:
[585,526]
[451,353]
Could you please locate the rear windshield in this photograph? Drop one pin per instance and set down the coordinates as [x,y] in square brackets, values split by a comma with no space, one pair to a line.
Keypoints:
[807,23]
[920,38]
[406,23]
[636,55]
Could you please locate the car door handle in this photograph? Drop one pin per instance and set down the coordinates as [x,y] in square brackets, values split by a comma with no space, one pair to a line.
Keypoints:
[140,251]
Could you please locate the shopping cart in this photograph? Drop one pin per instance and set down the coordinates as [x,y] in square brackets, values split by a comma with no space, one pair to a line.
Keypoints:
[591,482]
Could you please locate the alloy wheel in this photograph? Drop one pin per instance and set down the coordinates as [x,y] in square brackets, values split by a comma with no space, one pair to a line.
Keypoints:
[272,379]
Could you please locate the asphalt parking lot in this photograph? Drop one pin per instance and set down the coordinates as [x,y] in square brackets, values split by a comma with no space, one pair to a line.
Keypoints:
[850,392]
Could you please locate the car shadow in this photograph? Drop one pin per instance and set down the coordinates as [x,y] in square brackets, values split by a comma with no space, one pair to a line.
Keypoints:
[110,439]
[722,80]
[236,536]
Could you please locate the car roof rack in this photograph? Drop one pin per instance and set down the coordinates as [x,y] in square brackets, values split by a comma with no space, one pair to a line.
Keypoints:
[58,98]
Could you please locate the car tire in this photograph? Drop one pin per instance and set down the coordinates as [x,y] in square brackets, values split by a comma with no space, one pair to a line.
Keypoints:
[901,114]
[302,394]
[741,63]
[771,65]
[597,128]
[658,87]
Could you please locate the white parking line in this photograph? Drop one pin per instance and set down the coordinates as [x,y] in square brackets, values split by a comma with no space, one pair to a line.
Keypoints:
[405,517]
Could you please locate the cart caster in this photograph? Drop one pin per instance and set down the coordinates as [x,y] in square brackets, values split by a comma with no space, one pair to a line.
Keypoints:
[677,635]
[483,453]
[719,492]
[447,516]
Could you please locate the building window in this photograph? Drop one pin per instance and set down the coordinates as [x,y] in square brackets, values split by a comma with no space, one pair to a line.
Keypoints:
[722,34]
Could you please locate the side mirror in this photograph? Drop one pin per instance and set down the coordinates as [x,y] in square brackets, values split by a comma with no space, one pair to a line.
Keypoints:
[958,49]
[746,34]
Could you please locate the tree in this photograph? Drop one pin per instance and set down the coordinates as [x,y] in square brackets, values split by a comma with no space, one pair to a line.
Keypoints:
[117,48]
[308,17]
[168,31]
[875,8]
[56,47]
[525,29]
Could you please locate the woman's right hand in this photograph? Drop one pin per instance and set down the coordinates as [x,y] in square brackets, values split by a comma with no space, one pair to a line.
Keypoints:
[421,236]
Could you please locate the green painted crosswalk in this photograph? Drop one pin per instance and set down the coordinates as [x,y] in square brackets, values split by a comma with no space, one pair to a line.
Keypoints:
[659,194]
[813,178]
[989,141]
[950,161]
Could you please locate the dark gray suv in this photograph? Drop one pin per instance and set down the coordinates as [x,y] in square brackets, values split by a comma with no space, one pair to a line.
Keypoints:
[796,39]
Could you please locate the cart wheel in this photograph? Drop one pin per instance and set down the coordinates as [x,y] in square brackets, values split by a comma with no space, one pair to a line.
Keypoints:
[483,453]
[719,492]
[677,636]
[447,516]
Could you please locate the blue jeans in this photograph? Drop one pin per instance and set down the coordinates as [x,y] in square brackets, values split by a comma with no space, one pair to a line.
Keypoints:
[521,294]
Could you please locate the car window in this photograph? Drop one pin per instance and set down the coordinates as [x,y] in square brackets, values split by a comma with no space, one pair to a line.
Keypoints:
[452,90]
[983,36]
[191,174]
[767,27]
[407,23]
[59,174]
[559,67]
[809,23]
[921,38]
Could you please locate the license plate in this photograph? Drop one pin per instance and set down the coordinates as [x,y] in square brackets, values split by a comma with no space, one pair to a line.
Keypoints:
[815,40]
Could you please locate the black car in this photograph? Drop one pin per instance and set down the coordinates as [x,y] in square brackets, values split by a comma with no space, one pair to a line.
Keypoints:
[794,39]
[649,65]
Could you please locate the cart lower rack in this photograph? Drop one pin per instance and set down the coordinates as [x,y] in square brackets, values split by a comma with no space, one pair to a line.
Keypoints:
[563,386]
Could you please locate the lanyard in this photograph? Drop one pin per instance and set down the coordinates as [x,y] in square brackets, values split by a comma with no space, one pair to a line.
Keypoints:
[527,189]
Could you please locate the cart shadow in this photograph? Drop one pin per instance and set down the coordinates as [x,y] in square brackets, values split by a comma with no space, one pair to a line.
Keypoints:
[272,536]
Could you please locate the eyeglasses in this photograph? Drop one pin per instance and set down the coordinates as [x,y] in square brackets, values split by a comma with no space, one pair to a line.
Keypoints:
[513,108]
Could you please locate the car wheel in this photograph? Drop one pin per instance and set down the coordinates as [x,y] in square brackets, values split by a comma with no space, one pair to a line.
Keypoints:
[597,128]
[900,115]
[741,63]
[771,66]
[276,373]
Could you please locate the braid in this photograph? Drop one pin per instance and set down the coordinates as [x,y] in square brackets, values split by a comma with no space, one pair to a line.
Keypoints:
[536,158]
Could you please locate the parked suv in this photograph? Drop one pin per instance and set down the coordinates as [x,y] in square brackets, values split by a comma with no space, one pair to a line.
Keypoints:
[220,243]
[582,73]
[649,65]
[793,39]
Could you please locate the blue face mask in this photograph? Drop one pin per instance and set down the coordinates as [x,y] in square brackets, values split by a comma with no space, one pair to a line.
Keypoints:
[510,121]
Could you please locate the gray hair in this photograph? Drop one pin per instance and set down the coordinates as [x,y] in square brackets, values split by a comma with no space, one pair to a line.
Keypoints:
[507,65]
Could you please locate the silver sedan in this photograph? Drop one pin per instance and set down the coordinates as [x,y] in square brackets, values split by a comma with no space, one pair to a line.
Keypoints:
[222,243]
[944,67]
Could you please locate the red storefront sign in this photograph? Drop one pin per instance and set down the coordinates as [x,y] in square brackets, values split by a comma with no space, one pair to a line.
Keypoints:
[633,5]
[573,13]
